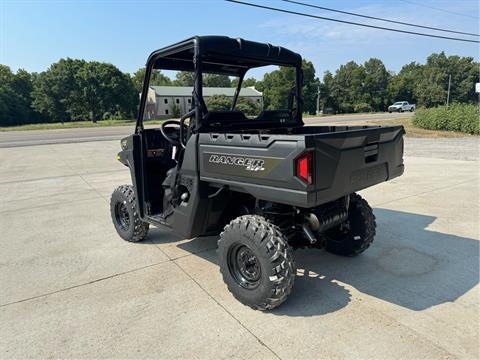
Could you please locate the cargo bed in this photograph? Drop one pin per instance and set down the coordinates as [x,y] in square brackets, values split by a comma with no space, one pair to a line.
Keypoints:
[263,163]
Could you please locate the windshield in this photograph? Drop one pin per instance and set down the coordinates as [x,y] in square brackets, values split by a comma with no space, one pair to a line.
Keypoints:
[398,103]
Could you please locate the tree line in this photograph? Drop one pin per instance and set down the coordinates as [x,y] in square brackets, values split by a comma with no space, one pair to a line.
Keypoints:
[72,89]
[371,87]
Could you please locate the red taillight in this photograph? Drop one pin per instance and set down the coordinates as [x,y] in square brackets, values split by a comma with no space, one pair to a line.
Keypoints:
[305,167]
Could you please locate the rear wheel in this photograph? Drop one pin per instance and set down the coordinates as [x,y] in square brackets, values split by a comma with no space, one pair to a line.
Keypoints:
[256,262]
[125,216]
[356,234]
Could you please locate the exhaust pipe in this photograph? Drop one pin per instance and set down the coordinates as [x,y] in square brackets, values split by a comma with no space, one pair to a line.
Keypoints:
[327,221]
[309,234]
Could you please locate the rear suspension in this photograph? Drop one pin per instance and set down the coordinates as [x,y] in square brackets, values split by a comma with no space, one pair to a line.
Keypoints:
[304,227]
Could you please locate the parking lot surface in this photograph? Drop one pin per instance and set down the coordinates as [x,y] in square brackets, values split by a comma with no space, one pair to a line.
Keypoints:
[72,289]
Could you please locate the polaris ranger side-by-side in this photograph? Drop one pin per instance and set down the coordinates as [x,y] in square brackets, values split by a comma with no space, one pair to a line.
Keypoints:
[266,183]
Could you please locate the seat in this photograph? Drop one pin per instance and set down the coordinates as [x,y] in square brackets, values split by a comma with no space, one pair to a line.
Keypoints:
[221,121]
[217,120]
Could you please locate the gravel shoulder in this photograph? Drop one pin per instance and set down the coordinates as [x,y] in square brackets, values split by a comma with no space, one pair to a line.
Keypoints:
[464,148]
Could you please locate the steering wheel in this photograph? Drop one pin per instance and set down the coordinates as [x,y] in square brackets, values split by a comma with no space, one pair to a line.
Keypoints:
[172,140]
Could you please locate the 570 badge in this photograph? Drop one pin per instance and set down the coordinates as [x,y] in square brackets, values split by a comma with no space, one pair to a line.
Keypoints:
[250,164]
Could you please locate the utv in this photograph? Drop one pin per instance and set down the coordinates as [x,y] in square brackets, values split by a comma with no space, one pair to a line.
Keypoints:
[266,184]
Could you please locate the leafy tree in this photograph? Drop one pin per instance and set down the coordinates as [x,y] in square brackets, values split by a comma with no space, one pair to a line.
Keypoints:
[357,87]
[224,103]
[375,85]
[187,78]
[427,84]
[276,87]
[76,90]
[55,90]
[401,86]
[214,80]
[156,79]
[248,82]
[218,103]
[9,101]
[310,87]
[326,93]
[103,89]
[465,73]
[248,107]
[362,107]
[278,84]
[430,89]
[184,78]
[15,97]
[348,86]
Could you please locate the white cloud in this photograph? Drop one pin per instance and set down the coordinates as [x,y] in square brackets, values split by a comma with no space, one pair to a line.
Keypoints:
[319,30]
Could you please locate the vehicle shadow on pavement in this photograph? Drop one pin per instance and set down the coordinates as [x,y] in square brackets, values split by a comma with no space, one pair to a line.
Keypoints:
[407,265]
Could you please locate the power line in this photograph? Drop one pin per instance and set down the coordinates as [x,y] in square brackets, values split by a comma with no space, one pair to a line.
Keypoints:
[350,22]
[380,19]
[439,9]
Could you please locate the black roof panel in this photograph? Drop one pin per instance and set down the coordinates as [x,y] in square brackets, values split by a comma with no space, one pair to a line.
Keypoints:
[223,55]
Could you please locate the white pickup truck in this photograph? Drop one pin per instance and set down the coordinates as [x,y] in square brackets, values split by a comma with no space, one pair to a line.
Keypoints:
[401,106]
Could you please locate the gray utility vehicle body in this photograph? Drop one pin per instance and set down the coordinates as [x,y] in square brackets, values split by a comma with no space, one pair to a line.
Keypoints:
[225,172]
[345,159]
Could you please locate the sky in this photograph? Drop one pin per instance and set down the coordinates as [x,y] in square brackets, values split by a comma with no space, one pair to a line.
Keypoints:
[35,34]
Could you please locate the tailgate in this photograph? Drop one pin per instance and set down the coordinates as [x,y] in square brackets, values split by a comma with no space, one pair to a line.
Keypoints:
[350,160]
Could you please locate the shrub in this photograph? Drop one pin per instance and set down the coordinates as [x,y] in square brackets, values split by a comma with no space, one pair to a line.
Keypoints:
[175,111]
[362,107]
[345,108]
[218,103]
[224,103]
[116,115]
[248,107]
[457,117]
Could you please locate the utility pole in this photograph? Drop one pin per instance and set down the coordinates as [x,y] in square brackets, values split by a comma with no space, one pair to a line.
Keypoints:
[448,92]
[318,99]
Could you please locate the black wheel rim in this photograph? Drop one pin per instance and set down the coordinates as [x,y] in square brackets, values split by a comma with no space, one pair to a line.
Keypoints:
[122,216]
[244,266]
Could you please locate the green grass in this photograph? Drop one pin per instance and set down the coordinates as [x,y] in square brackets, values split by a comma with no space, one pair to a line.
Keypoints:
[306,116]
[76,124]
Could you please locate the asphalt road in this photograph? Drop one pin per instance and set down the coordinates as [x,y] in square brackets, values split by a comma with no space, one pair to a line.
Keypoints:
[65,136]
[71,288]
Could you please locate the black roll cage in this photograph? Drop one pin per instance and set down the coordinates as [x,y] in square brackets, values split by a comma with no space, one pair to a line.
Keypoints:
[219,55]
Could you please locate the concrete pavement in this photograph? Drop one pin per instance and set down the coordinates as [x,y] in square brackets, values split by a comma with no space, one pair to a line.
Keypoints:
[66,136]
[72,289]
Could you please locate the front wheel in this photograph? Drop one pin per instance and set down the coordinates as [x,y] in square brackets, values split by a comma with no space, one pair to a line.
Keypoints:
[125,216]
[256,262]
[356,234]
